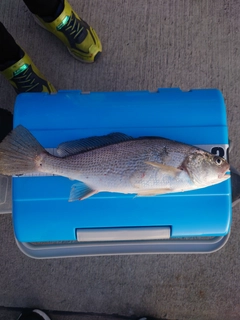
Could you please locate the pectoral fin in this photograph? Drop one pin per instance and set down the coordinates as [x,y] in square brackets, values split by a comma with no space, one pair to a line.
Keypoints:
[80,191]
[164,168]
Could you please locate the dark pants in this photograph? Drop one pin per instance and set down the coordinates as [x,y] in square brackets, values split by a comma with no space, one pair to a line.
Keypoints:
[6,123]
[43,8]
[9,50]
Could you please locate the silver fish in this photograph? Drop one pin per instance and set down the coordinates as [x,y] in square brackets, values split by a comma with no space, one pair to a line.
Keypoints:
[115,163]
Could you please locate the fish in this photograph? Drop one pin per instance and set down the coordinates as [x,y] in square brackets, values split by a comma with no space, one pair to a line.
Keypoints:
[116,162]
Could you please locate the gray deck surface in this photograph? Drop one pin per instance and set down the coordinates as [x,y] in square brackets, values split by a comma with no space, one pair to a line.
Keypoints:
[146,45]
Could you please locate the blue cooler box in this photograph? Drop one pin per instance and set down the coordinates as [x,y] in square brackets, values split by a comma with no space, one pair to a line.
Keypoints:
[111,223]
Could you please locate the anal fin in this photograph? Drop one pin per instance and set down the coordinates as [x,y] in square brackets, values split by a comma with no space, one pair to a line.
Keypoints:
[80,191]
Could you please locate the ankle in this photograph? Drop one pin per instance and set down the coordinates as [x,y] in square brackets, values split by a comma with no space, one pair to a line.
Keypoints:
[12,59]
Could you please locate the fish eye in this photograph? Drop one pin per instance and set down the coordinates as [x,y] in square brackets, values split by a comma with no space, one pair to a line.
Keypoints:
[218,160]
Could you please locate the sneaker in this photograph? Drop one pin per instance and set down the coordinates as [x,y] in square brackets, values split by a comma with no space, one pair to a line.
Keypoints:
[24,76]
[34,315]
[81,40]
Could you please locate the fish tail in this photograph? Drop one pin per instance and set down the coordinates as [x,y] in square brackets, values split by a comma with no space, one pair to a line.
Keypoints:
[19,153]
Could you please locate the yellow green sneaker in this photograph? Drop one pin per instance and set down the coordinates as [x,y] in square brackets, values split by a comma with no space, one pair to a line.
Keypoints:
[24,76]
[81,40]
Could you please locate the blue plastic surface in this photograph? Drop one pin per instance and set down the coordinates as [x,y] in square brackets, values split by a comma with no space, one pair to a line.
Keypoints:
[41,211]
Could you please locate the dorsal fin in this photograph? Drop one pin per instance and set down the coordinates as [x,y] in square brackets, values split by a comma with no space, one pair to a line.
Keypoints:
[86,144]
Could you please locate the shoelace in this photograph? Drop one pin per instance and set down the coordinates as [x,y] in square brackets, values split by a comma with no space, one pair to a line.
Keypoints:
[25,81]
[73,26]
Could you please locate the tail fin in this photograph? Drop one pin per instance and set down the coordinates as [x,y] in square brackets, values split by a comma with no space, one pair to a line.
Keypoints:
[18,152]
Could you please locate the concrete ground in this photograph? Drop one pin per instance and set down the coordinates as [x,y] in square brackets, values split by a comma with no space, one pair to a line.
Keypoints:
[146,45]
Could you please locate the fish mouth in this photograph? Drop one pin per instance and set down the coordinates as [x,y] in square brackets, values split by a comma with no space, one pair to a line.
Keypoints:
[225,175]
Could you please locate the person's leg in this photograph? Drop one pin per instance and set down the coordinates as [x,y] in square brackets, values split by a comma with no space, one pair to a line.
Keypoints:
[58,17]
[17,67]
[9,50]
[45,8]
[6,123]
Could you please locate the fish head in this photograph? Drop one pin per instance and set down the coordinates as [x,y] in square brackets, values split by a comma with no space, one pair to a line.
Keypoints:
[205,168]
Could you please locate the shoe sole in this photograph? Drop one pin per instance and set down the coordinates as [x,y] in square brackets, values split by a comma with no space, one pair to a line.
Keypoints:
[42,314]
[36,312]
[69,50]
